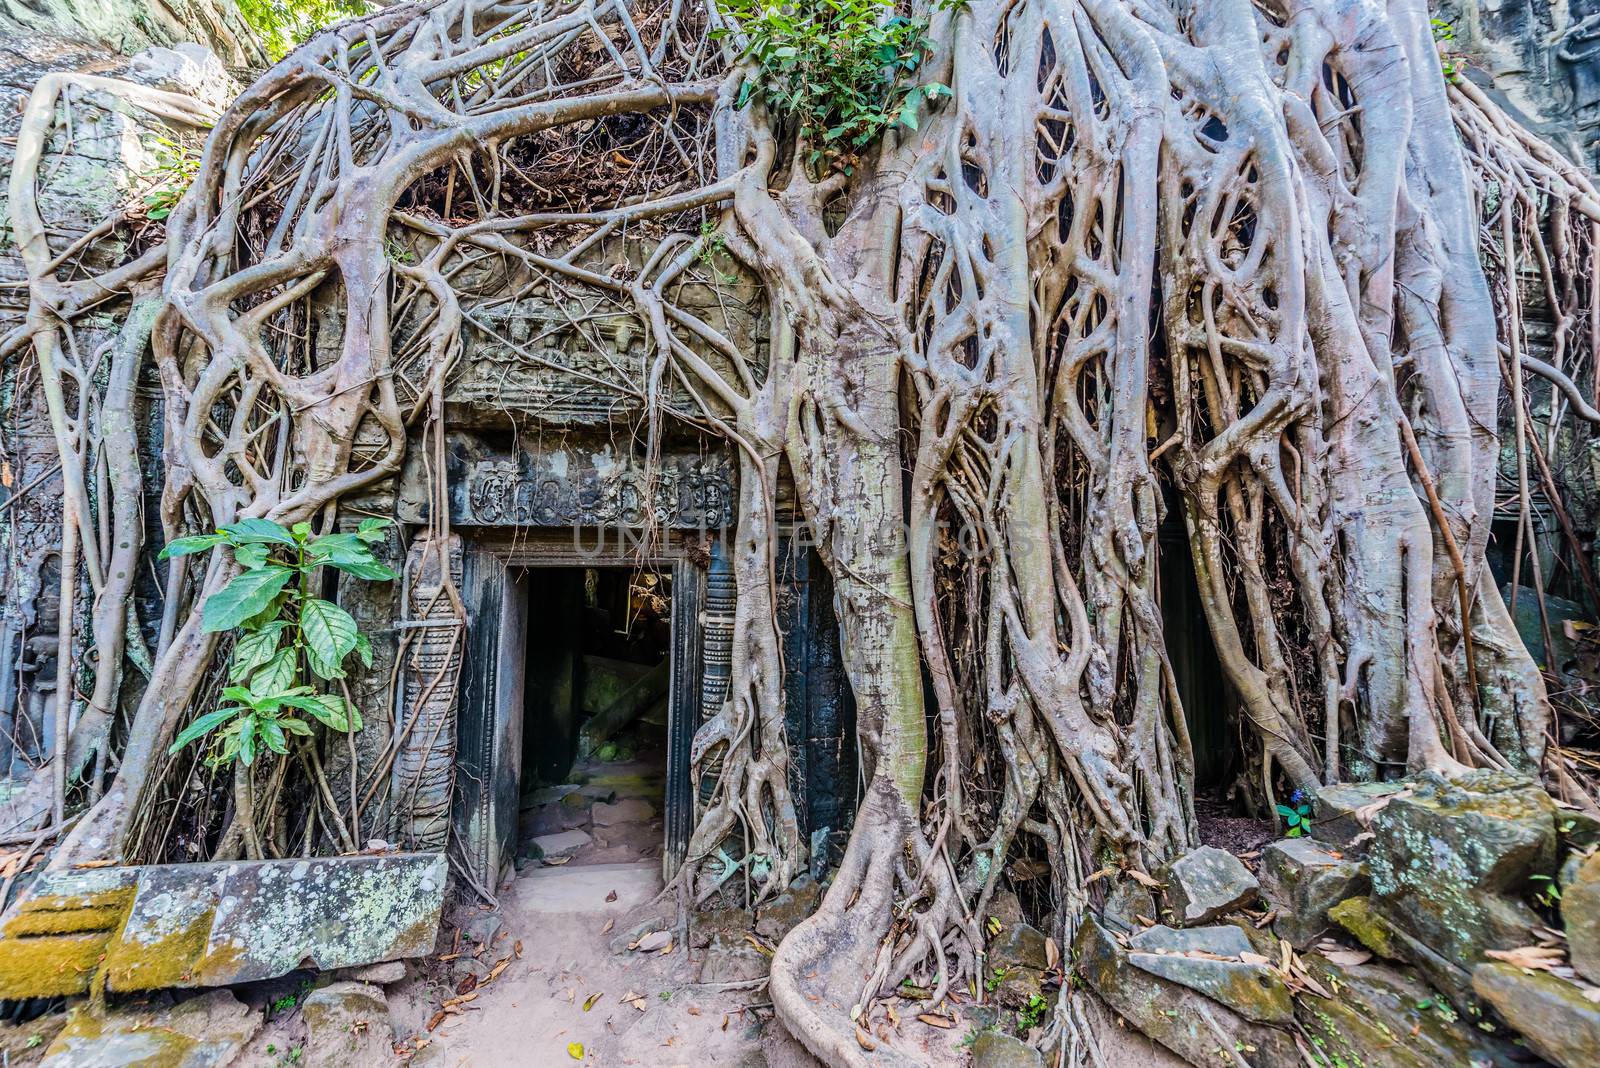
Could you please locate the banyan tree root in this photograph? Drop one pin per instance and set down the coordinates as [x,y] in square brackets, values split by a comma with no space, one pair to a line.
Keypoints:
[1220,256]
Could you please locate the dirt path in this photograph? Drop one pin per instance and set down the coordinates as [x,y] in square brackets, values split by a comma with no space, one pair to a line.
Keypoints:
[534,1010]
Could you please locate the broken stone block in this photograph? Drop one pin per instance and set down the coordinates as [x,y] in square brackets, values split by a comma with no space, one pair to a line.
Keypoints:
[627,810]
[1355,915]
[219,924]
[730,958]
[481,927]
[1254,991]
[1551,1014]
[1336,823]
[655,940]
[706,924]
[1577,830]
[347,1023]
[1450,862]
[1383,1014]
[1188,1023]
[555,846]
[1127,901]
[1206,883]
[1302,879]
[201,1032]
[783,913]
[186,925]
[991,1049]
[1017,959]
[381,974]
[1580,913]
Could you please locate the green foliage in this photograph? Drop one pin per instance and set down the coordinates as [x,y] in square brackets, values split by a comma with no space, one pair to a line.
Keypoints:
[1298,818]
[843,70]
[286,637]
[1029,1015]
[282,25]
[1443,34]
[176,166]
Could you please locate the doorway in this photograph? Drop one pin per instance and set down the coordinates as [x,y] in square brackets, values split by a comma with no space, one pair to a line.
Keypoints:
[579,697]
[596,689]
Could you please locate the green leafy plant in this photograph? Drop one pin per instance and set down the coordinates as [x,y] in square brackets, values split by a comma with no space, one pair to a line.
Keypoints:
[1029,1015]
[991,984]
[176,166]
[844,70]
[1296,815]
[287,637]
[1443,34]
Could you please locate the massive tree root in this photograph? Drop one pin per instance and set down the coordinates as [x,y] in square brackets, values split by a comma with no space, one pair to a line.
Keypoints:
[1215,256]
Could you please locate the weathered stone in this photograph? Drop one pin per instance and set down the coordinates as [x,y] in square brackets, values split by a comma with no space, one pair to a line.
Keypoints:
[1384,1015]
[1127,901]
[1303,879]
[627,810]
[1580,914]
[1552,1015]
[1335,822]
[1019,946]
[706,924]
[1204,884]
[216,924]
[203,1032]
[1183,1020]
[382,974]
[1355,915]
[991,1049]
[555,846]
[481,927]
[1254,991]
[783,913]
[1450,861]
[347,1024]
[1005,907]
[653,941]
[1577,830]
[730,958]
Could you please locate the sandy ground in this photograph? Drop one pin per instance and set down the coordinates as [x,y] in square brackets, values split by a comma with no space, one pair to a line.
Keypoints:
[533,1012]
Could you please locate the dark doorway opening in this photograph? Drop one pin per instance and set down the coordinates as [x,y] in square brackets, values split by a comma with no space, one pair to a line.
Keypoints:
[596,694]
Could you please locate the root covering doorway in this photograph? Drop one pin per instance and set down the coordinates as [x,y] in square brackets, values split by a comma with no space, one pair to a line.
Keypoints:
[578,701]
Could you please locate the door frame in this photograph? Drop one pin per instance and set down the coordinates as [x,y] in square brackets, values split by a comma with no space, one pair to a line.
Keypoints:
[489,719]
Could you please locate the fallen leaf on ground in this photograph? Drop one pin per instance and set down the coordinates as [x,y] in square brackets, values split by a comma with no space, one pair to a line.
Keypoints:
[607,928]
[936,1021]
[865,1041]
[1344,956]
[588,1002]
[469,983]
[611,896]
[1528,957]
[1144,880]
[575,1050]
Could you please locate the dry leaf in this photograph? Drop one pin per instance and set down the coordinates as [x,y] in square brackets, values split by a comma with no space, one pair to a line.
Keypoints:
[556,862]
[1144,880]
[1254,958]
[494,973]
[607,928]
[1344,956]
[95,864]
[611,897]
[436,1019]
[1101,874]
[865,1041]
[1052,954]
[516,949]
[588,1002]
[936,1021]
[725,1017]
[1528,957]
[469,983]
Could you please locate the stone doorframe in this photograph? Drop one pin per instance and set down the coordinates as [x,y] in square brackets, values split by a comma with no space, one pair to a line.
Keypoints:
[489,721]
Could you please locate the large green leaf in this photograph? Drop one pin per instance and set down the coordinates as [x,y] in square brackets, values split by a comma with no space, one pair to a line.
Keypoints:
[202,726]
[330,634]
[242,598]
[372,529]
[272,734]
[193,544]
[247,739]
[276,675]
[254,649]
[256,532]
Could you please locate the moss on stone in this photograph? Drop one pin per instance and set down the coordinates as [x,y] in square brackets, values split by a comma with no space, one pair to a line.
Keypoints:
[137,964]
[1355,915]
[50,966]
[96,918]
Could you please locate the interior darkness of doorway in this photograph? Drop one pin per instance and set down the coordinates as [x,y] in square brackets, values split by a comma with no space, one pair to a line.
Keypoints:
[597,668]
